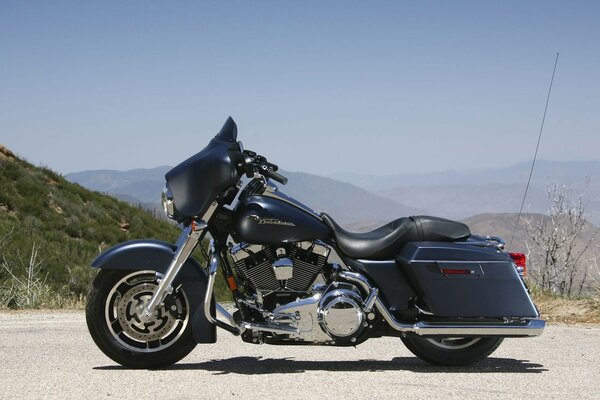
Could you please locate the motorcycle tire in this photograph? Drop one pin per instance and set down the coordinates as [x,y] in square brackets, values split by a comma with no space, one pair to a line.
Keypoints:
[452,351]
[113,304]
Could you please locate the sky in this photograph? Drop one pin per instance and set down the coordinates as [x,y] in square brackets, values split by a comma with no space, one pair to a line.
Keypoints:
[322,87]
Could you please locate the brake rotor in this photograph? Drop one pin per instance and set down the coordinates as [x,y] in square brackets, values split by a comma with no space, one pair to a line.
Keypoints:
[129,309]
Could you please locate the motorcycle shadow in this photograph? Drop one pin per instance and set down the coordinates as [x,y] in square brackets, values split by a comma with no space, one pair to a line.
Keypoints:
[259,365]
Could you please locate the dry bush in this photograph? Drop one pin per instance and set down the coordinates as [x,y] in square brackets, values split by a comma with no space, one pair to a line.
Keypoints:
[560,244]
[25,285]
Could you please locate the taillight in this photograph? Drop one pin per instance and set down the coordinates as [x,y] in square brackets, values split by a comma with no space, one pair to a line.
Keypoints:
[521,262]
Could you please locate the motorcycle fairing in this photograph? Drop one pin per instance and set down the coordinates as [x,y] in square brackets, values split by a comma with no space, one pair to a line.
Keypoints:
[198,181]
[138,255]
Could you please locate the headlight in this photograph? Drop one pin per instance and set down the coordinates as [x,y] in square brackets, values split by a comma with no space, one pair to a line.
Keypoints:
[167,202]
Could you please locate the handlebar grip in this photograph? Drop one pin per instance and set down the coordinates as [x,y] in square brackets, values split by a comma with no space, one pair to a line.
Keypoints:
[275,176]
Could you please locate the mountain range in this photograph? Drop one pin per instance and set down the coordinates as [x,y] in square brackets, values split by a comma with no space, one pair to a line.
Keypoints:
[362,201]
[347,203]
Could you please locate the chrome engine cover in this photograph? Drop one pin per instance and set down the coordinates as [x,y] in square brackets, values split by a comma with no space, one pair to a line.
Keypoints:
[340,312]
[330,316]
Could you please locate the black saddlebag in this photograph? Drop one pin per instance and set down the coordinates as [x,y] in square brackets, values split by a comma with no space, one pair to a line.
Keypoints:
[463,280]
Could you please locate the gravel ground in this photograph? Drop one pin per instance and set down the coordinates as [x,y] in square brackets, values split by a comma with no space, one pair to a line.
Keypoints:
[51,355]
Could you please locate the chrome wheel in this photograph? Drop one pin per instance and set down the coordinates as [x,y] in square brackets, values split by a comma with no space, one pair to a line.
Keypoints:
[454,343]
[124,305]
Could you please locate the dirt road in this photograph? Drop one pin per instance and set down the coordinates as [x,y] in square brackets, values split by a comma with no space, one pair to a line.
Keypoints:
[50,355]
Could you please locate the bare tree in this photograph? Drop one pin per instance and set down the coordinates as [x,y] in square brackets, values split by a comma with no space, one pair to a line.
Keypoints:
[595,281]
[558,243]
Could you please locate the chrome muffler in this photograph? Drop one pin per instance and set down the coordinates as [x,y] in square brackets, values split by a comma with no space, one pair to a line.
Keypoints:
[518,328]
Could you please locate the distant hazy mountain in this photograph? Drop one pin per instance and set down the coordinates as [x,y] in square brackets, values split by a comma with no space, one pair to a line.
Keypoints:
[560,171]
[450,194]
[136,185]
[462,201]
[459,194]
[351,205]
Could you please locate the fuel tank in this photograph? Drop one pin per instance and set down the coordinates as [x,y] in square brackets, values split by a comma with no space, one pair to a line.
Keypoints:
[266,220]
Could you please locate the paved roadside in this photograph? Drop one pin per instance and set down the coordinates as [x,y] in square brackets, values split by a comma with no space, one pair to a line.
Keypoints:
[50,355]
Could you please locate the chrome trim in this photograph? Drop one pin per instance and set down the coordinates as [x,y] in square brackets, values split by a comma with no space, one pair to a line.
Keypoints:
[341,322]
[283,269]
[167,201]
[188,240]
[212,273]
[453,343]
[273,328]
[318,247]
[246,249]
[500,243]
[211,210]
[221,310]
[527,328]
[422,311]
[273,192]
[357,278]
[459,262]
[370,302]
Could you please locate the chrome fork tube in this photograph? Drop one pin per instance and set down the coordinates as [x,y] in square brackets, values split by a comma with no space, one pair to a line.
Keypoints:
[187,242]
[212,273]
[213,264]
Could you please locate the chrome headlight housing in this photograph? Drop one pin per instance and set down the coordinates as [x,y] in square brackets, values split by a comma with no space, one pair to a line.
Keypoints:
[167,201]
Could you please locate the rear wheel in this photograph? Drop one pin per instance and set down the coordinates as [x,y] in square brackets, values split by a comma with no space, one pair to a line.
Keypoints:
[113,315]
[450,350]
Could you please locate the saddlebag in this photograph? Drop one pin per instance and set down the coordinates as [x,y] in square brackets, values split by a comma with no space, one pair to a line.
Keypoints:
[464,280]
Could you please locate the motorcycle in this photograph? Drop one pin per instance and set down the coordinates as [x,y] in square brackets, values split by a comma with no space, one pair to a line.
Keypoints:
[297,277]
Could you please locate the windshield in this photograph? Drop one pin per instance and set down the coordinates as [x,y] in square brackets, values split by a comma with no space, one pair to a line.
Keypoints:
[228,132]
[196,182]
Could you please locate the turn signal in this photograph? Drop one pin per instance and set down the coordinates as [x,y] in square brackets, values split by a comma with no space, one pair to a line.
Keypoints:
[521,262]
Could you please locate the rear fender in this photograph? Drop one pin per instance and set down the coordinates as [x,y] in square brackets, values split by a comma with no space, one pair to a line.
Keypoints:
[137,255]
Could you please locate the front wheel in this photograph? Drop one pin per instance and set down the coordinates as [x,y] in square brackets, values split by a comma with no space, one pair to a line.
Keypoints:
[114,304]
[452,351]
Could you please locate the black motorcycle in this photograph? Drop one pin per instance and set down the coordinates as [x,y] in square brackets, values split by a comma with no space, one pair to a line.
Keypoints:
[297,277]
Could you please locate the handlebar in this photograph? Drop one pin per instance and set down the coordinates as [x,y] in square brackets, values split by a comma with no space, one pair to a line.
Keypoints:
[269,173]
[256,163]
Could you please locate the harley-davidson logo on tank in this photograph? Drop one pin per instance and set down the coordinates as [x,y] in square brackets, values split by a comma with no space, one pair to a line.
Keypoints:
[269,221]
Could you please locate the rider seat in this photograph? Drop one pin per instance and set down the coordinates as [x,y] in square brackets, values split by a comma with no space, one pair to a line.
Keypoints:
[385,242]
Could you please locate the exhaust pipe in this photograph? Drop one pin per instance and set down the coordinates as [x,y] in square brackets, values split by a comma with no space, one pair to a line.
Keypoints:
[519,328]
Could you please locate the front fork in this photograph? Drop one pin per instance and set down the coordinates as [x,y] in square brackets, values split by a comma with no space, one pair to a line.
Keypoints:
[189,239]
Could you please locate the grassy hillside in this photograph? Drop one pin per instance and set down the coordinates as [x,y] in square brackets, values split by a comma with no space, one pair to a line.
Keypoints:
[53,229]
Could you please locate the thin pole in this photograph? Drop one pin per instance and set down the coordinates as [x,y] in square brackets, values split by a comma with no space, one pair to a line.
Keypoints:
[537,147]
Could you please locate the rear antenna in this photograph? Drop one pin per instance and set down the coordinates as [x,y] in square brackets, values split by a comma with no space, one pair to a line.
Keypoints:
[536,153]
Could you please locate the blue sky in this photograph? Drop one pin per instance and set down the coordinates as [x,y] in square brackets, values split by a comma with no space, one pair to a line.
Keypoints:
[321,87]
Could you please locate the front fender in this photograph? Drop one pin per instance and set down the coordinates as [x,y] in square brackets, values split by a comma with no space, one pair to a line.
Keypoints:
[155,255]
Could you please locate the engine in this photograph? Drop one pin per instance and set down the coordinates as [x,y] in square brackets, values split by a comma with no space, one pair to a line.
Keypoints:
[290,290]
[280,272]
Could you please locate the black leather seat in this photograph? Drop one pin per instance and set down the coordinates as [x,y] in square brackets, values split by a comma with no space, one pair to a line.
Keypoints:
[385,242]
